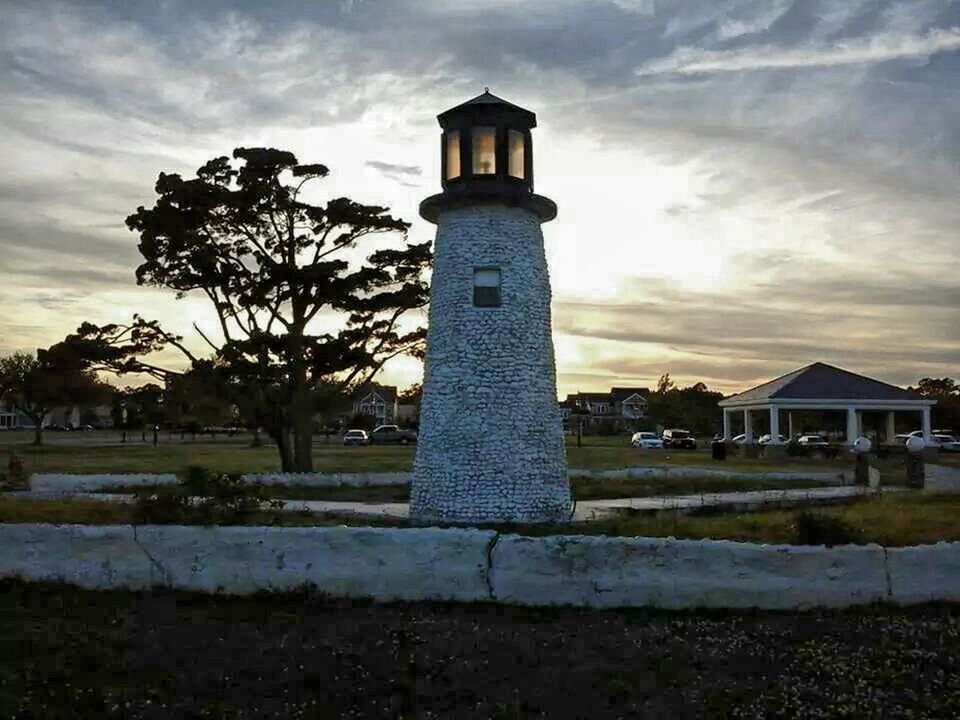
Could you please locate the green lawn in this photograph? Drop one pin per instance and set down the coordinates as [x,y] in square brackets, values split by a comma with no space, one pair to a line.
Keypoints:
[89,455]
[893,520]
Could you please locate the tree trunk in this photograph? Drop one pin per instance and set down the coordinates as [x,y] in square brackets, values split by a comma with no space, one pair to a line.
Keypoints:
[282,438]
[303,440]
[37,434]
[301,416]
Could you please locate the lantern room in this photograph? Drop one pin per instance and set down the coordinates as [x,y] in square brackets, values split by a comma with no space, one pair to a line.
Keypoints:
[486,156]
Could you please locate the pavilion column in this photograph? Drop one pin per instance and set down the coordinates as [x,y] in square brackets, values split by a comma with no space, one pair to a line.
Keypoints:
[726,425]
[790,424]
[891,427]
[747,427]
[927,432]
[774,425]
[851,425]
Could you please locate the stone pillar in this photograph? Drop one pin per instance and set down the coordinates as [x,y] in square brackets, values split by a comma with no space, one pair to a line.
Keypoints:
[927,432]
[852,429]
[891,427]
[726,426]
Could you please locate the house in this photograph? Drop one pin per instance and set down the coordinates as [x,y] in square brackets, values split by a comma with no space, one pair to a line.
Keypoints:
[614,411]
[378,401]
[14,420]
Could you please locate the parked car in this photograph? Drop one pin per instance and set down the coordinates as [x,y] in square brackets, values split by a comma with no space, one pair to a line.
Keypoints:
[948,443]
[646,441]
[356,437]
[391,434]
[676,438]
[765,439]
[813,441]
[934,441]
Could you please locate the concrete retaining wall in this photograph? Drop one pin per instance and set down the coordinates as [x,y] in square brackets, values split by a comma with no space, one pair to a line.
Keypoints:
[385,564]
[70,483]
[615,572]
[329,479]
[474,565]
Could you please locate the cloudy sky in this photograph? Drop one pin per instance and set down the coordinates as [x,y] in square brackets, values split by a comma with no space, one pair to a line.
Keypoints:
[744,186]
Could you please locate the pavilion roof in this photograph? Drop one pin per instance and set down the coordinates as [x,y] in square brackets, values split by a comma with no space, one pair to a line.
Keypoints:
[820,381]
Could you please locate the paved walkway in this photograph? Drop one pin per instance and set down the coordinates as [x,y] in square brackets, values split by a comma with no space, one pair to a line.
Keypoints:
[584,511]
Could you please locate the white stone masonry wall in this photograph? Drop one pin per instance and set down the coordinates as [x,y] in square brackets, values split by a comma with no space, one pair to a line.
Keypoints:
[491,445]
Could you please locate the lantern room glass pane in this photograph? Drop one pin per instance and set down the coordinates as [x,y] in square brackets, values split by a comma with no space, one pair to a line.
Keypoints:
[515,153]
[484,150]
[453,155]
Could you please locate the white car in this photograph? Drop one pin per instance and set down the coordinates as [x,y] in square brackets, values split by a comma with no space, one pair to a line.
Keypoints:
[936,439]
[356,437]
[947,443]
[813,441]
[646,441]
[765,439]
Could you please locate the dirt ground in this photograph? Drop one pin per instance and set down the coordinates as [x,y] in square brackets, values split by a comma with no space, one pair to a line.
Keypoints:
[68,653]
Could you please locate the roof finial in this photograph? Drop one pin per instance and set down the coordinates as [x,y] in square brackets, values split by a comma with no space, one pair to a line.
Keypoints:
[486,89]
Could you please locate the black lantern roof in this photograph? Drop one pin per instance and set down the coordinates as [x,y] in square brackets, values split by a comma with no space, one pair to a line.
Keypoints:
[483,105]
[487,158]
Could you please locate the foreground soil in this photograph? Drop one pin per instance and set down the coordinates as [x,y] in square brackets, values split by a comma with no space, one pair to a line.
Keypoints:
[66,653]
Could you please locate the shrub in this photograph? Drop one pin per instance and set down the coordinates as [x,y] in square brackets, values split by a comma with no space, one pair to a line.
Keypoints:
[204,497]
[818,528]
[164,506]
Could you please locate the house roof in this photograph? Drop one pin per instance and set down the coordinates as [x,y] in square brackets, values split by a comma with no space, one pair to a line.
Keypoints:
[386,392]
[620,394]
[820,381]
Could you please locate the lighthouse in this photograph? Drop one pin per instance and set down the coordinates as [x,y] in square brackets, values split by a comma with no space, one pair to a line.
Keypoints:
[491,445]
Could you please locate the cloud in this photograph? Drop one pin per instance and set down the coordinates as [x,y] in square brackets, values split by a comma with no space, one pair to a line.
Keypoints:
[399,173]
[743,185]
[687,60]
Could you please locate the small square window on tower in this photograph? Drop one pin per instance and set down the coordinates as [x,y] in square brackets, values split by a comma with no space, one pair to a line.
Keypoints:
[486,287]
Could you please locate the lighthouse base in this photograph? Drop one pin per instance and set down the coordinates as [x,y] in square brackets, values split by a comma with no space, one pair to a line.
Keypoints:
[491,445]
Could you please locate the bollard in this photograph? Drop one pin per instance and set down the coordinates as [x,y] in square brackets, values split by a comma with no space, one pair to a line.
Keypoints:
[915,464]
[861,470]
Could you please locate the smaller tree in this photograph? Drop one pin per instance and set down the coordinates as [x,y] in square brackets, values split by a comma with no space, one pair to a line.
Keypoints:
[36,384]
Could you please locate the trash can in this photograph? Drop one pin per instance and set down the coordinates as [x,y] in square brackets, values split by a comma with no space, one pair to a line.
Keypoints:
[719,450]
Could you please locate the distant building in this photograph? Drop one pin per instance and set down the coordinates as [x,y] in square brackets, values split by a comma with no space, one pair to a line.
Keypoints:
[378,401]
[619,409]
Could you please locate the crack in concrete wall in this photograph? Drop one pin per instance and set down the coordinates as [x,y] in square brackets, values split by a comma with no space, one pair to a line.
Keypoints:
[167,578]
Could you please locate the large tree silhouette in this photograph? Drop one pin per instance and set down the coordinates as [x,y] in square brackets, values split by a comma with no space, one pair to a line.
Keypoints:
[273,266]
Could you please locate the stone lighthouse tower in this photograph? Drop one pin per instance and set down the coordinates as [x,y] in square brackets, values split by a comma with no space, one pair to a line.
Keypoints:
[491,443]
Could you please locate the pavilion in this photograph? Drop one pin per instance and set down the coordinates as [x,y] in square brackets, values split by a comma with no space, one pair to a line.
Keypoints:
[822,387]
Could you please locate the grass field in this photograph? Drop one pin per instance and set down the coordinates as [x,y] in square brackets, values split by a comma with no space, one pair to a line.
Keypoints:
[96,452]
[68,653]
[893,520]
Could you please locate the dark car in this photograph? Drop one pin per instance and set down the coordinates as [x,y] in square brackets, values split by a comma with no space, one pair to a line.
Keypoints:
[679,439]
[392,435]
